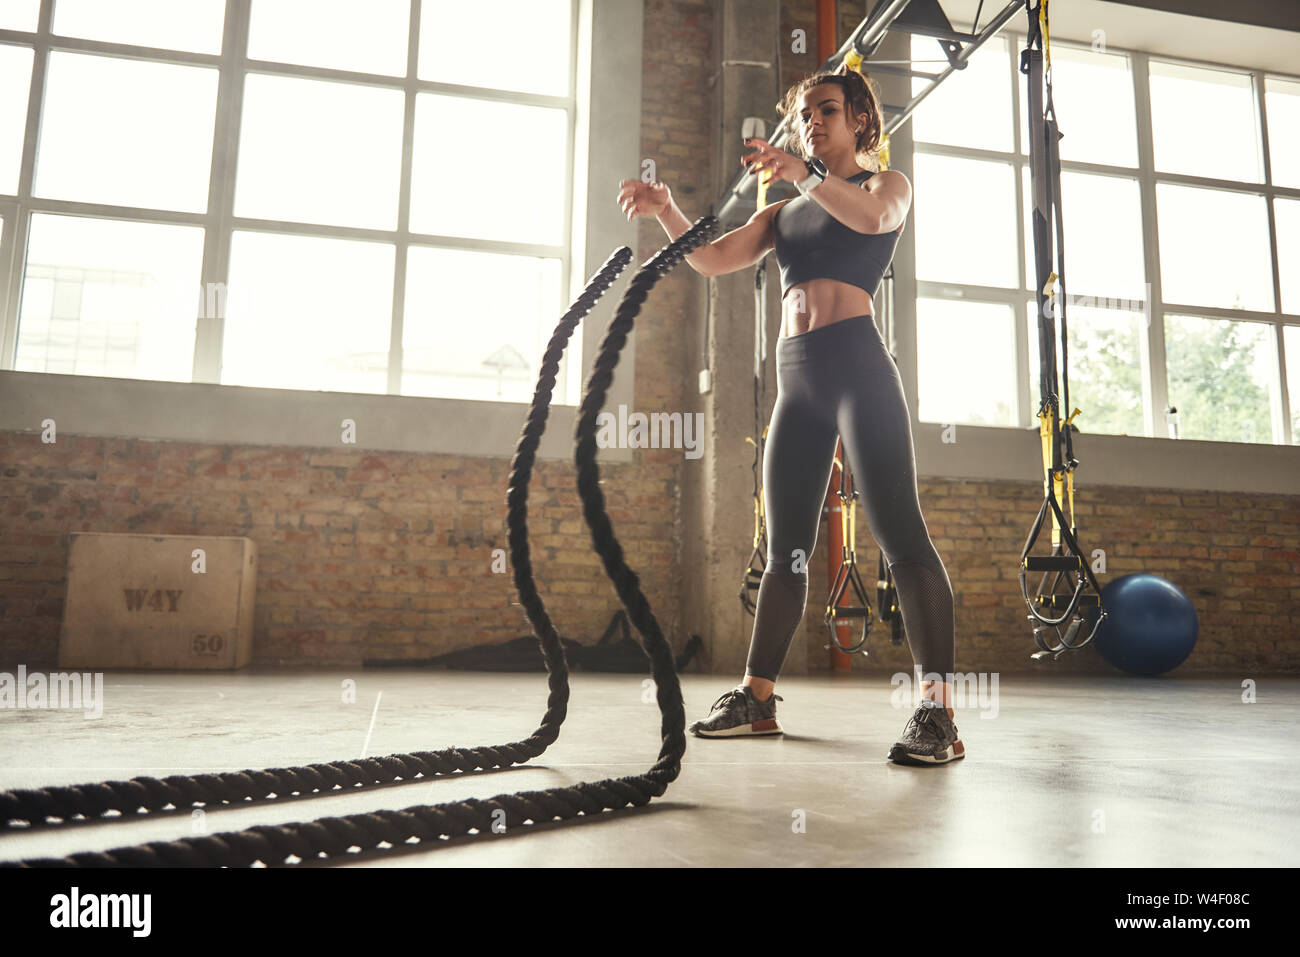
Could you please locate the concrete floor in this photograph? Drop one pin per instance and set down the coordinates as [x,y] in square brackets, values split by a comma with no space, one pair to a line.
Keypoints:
[1077,772]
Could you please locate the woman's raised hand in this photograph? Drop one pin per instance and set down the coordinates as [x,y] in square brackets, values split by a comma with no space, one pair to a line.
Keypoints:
[636,198]
[776,163]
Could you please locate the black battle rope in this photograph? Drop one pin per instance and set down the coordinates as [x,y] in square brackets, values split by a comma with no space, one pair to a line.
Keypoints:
[229,788]
[667,688]
[332,838]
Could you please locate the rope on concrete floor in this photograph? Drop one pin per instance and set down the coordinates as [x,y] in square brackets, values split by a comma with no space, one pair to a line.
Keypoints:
[332,837]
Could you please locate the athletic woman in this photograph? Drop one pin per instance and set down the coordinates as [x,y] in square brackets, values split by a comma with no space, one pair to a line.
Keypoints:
[833,244]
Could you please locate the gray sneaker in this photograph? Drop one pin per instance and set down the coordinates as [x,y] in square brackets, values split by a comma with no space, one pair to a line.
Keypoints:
[929,738]
[737,712]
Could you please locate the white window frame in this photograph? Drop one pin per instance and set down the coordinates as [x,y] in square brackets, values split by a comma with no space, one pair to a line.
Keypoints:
[605,72]
[1153,459]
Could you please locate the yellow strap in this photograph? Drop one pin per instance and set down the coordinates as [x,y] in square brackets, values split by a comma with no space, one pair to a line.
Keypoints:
[1056,522]
[1049,290]
[1047,40]
[758,500]
[1069,479]
[882,156]
[1062,483]
[1045,433]
[851,530]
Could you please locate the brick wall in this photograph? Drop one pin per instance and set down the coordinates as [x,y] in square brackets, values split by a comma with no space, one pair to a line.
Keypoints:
[362,554]
[1235,556]
[382,554]
[389,554]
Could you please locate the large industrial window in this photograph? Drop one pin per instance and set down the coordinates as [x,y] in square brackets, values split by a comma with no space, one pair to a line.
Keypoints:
[1181,196]
[209,191]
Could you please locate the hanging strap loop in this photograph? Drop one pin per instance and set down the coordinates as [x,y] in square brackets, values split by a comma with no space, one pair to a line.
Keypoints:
[847,576]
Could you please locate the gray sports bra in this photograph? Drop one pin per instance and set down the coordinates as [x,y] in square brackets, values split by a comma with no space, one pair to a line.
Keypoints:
[813,244]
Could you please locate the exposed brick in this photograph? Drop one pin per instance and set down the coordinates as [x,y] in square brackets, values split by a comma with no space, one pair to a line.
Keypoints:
[368,554]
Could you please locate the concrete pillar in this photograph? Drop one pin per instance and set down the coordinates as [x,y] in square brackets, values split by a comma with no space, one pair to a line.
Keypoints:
[897,90]
[717,506]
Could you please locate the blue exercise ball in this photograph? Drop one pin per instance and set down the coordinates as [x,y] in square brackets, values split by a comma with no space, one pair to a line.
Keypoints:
[1150,625]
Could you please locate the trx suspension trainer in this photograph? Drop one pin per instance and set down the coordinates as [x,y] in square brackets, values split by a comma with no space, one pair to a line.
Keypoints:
[1067,559]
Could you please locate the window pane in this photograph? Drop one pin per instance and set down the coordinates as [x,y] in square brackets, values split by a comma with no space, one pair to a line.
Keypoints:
[19,15]
[1282,106]
[1203,122]
[1103,236]
[965,220]
[457,40]
[1214,248]
[1105,368]
[368,37]
[1291,343]
[126,132]
[1093,95]
[966,362]
[970,108]
[15,84]
[1220,371]
[530,211]
[303,312]
[1286,214]
[491,354]
[314,151]
[194,25]
[110,298]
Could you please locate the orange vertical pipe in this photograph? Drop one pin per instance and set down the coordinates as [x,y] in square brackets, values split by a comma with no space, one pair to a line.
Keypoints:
[827,30]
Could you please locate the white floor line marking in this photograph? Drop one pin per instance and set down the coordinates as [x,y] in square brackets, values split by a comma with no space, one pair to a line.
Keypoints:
[372,724]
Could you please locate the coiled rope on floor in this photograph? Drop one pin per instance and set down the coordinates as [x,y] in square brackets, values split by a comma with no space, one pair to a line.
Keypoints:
[331,838]
[230,788]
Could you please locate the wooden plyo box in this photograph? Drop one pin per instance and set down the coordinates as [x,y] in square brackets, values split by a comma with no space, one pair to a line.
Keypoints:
[141,601]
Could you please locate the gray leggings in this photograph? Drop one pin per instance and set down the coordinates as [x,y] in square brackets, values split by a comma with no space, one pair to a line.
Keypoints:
[841,379]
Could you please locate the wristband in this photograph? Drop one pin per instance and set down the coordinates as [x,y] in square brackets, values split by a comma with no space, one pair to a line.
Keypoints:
[814,178]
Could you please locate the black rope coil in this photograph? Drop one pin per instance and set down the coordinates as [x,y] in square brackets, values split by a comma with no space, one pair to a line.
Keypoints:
[228,788]
[667,687]
[332,837]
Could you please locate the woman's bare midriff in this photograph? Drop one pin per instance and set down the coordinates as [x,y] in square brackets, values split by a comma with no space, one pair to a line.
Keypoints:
[821,302]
